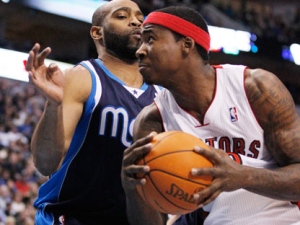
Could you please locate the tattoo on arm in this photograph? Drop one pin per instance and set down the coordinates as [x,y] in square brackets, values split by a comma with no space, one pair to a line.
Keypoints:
[275,111]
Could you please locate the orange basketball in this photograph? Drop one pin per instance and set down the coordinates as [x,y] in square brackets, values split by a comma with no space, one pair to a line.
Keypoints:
[170,185]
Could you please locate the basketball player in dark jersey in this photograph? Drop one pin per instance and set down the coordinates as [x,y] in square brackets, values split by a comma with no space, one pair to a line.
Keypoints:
[87,122]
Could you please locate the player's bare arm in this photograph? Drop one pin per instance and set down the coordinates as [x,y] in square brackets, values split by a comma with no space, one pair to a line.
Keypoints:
[77,89]
[147,121]
[275,111]
[48,148]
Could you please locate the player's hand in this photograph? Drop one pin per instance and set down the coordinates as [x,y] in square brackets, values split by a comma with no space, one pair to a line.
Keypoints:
[227,174]
[131,155]
[48,79]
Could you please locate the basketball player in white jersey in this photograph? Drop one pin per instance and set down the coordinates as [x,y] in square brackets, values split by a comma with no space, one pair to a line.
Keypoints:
[245,112]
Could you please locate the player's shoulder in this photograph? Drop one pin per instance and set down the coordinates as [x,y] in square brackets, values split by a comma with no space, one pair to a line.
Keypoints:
[146,121]
[78,81]
[259,73]
[77,69]
[148,112]
[261,77]
[77,72]
[261,84]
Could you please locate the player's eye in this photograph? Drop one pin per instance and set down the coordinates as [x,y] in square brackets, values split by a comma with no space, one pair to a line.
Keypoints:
[122,17]
[141,19]
[150,38]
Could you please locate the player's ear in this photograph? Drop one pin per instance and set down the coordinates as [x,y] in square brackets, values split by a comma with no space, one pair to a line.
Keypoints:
[96,32]
[188,44]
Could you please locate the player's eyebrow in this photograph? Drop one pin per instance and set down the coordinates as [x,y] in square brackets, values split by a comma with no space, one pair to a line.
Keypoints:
[128,9]
[147,29]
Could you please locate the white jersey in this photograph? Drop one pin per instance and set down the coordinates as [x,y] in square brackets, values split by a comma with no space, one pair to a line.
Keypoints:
[230,124]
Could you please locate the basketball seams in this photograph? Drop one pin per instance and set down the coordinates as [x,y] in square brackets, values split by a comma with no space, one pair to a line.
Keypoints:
[174,175]
[166,136]
[168,153]
[166,191]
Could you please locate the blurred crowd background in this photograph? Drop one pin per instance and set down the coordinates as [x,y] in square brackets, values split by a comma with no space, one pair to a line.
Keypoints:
[20,108]
[21,105]
[259,17]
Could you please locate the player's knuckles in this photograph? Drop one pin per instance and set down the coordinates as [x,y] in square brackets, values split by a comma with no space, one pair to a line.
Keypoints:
[133,169]
[128,150]
[211,198]
[211,155]
[28,66]
[141,151]
[131,155]
[143,141]
[137,153]
[216,154]
[206,171]
[216,186]
[203,197]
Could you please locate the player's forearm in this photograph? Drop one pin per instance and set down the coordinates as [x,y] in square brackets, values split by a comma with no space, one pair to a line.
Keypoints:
[139,213]
[47,144]
[282,183]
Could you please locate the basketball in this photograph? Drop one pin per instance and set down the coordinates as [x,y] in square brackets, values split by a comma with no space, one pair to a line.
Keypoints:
[169,184]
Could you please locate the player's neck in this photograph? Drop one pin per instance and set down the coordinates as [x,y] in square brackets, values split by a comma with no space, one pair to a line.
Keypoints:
[196,93]
[127,71]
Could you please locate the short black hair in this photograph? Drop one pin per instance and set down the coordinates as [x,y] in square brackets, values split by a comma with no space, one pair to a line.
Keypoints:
[191,16]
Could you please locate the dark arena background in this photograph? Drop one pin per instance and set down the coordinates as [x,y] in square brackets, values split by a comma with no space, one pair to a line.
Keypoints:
[259,34]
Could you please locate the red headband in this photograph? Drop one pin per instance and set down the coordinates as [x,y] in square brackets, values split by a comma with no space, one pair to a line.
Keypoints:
[180,26]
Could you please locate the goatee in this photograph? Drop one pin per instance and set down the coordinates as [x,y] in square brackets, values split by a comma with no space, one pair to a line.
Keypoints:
[120,45]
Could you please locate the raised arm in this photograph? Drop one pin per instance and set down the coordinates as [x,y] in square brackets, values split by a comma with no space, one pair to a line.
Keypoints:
[65,93]
[139,213]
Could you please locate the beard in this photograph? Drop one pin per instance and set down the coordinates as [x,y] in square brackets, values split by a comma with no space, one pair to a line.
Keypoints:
[120,45]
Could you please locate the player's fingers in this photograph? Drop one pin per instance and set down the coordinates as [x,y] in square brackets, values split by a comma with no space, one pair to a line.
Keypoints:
[41,57]
[30,60]
[208,194]
[30,77]
[131,183]
[135,154]
[36,48]
[144,140]
[213,155]
[211,198]
[52,68]
[134,169]
[209,171]
[140,142]
[129,178]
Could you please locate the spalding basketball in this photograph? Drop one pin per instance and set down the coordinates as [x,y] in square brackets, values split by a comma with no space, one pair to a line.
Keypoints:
[170,185]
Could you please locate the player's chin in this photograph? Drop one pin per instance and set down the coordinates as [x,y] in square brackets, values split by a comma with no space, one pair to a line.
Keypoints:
[147,78]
